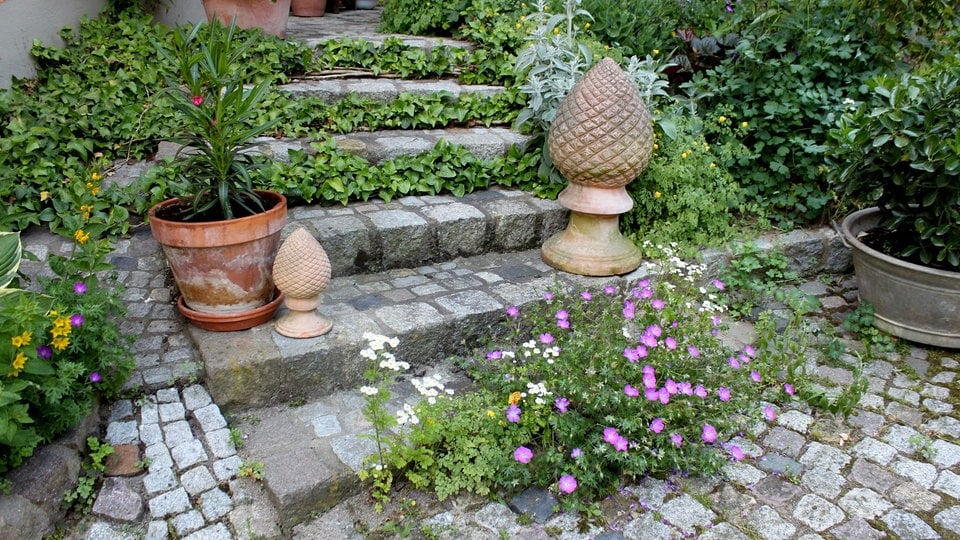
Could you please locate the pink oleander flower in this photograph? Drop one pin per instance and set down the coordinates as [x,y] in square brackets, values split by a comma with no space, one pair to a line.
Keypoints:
[709,434]
[523,454]
[656,425]
[567,484]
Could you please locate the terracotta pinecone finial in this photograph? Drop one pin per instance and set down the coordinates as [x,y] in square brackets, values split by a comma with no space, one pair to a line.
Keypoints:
[602,134]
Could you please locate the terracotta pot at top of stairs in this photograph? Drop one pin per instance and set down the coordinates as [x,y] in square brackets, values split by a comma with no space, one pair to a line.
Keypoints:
[308,8]
[223,268]
[269,15]
[910,301]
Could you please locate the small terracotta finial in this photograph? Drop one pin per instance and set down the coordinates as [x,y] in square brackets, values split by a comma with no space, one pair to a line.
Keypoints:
[301,271]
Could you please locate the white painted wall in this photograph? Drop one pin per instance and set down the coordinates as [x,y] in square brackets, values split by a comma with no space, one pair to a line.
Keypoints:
[22,21]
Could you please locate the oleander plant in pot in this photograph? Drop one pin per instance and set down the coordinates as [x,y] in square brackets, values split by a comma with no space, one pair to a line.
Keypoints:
[899,153]
[219,235]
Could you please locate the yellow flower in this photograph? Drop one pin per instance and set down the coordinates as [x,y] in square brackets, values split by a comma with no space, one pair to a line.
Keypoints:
[722,119]
[81,237]
[21,340]
[606,47]
[744,125]
[556,30]
[713,165]
[86,209]
[491,414]
[656,146]
[44,195]
[19,361]
[95,176]
[657,194]
[684,155]
[94,189]
[656,51]
[522,18]
[518,25]
[60,343]
[586,25]
[514,398]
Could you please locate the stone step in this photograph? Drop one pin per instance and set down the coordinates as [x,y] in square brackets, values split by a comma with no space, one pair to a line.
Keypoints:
[357,24]
[333,89]
[378,146]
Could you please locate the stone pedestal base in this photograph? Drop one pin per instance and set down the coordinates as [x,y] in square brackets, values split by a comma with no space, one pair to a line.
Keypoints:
[591,245]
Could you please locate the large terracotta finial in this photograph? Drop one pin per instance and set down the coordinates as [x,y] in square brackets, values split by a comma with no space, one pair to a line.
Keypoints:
[601,139]
[302,271]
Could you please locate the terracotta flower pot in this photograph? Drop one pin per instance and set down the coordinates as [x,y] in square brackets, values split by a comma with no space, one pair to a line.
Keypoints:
[266,14]
[910,301]
[308,8]
[223,268]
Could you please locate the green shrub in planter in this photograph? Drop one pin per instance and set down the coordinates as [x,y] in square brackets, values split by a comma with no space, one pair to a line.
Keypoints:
[900,151]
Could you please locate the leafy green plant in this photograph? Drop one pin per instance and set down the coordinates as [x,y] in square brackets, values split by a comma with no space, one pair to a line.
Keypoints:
[860,323]
[923,445]
[686,195]
[754,276]
[251,469]
[215,113]
[81,498]
[900,150]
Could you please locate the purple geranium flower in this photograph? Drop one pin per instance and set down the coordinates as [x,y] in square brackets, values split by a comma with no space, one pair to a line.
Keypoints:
[610,435]
[788,388]
[567,484]
[657,304]
[563,324]
[621,444]
[45,352]
[546,338]
[513,312]
[523,454]
[656,425]
[676,439]
[576,453]
[723,393]
[94,377]
[630,391]
[586,296]
[79,287]
[494,355]
[709,434]
[76,320]
[755,375]
[513,414]
[769,414]
[693,351]
[609,290]
[561,403]
[700,391]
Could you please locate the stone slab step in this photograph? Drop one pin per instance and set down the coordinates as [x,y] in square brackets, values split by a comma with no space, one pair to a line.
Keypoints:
[357,24]
[331,90]
[377,146]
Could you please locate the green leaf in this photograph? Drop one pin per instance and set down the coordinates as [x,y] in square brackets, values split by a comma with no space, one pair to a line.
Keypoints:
[10,253]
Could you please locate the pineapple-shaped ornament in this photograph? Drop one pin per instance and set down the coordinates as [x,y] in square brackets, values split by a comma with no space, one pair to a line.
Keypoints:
[600,140]
[302,271]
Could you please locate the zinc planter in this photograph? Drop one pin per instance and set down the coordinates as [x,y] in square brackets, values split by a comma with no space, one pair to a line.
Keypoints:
[913,302]
[223,268]
[269,15]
